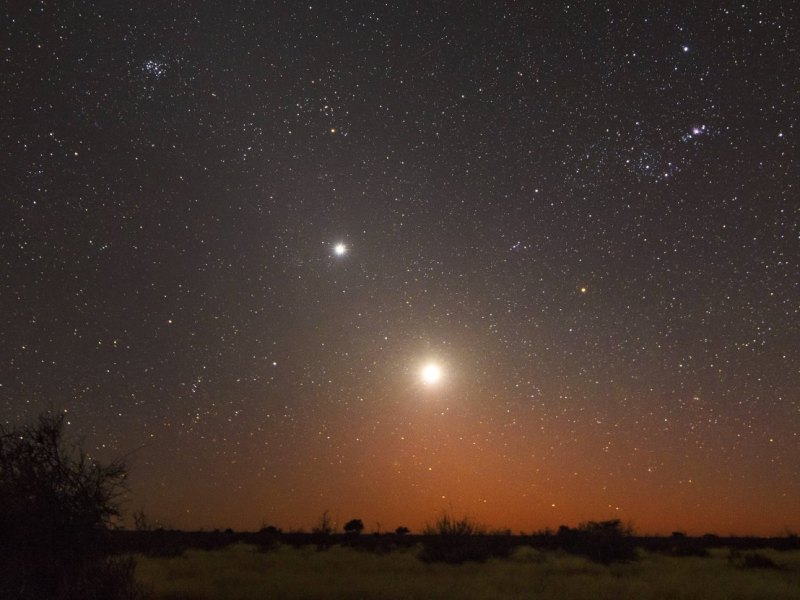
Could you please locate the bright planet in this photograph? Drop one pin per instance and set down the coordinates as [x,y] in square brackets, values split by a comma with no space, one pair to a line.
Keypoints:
[431,373]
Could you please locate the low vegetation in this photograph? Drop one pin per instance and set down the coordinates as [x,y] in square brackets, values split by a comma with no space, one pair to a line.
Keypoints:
[604,542]
[452,540]
[242,572]
[56,506]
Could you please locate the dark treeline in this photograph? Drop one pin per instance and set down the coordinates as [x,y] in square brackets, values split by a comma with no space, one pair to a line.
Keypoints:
[166,542]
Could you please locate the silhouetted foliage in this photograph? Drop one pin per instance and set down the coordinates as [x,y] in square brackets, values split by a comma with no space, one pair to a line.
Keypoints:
[324,525]
[791,541]
[682,545]
[270,530]
[113,578]
[354,526]
[267,538]
[165,543]
[402,530]
[452,540]
[751,560]
[323,531]
[141,522]
[55,507]
[603,542]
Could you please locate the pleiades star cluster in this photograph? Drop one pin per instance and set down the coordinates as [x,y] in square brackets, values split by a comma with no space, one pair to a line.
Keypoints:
[532,262]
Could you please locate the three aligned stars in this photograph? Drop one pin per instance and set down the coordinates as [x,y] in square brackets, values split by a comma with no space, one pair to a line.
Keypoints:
[431,373]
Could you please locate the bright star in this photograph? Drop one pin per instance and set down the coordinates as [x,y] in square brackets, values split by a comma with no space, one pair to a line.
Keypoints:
[340,249]
[431,374]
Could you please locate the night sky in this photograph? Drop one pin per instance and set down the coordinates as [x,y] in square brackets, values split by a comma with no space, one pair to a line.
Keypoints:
[536,263]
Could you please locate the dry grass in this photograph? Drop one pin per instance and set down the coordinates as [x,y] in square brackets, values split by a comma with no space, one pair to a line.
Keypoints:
[241,572]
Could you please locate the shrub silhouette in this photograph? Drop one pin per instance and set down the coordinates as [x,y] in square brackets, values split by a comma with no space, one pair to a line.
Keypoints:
[55,508]
[270,530]
[682,545]
[751,560]
[268,538]
[354,526]
[603,542]
[452,540]
[323,531]
[402,530]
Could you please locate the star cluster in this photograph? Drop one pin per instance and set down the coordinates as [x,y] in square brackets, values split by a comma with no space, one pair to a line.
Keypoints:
[535,263]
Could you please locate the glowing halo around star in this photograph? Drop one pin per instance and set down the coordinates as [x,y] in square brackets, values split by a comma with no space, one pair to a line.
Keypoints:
[339,249]
[431,374]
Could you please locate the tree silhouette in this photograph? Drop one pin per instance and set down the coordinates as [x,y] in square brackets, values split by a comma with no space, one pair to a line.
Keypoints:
[402,530]
[324,526]
[354,526]
[56,505]
[322,531]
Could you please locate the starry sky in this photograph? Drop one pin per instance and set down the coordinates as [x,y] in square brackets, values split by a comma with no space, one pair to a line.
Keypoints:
[536,263]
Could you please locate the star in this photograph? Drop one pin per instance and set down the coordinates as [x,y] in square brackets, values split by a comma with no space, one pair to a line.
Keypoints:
[340,249]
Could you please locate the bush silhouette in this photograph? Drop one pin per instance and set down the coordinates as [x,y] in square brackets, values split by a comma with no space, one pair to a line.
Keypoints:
[55,508]
[751,560]
[354,526]
[682,545]
[452,540]
[402,531]
[268,538]
[603,542]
